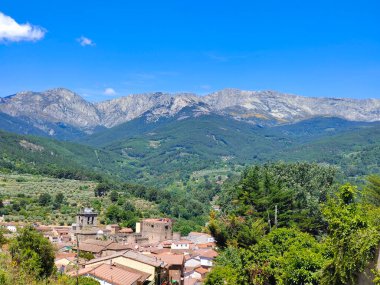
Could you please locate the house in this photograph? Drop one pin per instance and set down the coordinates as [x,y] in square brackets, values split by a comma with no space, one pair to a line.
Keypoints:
[200,238]
[156,268]
[65,261]
[114,228]
[11,228]
[192,281]
[102,248]
[63,247]
[108,274]
[202,272]
[207,257]
[176,265]
[181,244]
[96,250]
[198,273]
[193,262]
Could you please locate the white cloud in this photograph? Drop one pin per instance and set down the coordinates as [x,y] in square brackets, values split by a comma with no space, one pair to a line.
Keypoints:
[83,41]
[12,31]
[109,91]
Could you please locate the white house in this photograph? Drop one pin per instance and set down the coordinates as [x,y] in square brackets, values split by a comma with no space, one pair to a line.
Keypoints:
[182,244]
[12,229]
[193,262]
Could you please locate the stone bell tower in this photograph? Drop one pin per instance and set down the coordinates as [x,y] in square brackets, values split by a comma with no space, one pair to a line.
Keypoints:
[87,218]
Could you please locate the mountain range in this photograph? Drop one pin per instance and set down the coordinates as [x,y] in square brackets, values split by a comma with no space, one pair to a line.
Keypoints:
[160,138]
[54,111]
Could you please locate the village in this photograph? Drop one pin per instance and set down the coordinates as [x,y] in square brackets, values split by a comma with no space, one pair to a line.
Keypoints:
[152,254]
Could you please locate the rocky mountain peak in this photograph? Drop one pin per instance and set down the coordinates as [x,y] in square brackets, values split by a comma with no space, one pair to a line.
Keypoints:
[62,105]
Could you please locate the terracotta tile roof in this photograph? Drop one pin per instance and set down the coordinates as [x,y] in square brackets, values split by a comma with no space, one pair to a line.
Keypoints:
[117,246]
[209,253]
[144,275]
[157,250]
[160,220]
[112,274]
[65,255]
[150,260]
[90,247]
[146,259]
[63,244]
[172,259]
[191,281]
[206,245]
[126,231]
[201,270]
[105,258]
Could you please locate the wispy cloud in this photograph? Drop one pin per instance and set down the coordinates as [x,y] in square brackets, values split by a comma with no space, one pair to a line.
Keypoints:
[12,31]
[109,91]
[84,41]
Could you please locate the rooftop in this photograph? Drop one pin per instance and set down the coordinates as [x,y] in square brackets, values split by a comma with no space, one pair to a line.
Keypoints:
[171,259]
[150,260]
[159,220]
[112,274]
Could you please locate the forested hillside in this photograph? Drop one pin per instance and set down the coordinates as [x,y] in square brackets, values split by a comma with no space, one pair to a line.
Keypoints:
[294,224]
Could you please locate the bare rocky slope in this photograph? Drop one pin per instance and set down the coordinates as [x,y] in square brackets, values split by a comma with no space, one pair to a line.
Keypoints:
[62,106]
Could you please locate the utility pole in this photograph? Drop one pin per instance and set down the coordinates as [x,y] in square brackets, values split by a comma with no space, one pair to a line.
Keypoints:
[77,259]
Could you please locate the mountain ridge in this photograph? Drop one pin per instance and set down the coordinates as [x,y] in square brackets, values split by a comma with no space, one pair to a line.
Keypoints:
[63,106]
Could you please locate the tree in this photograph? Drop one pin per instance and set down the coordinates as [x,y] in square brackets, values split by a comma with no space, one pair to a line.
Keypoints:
[3,240]
[353,237]
[372,190]
[230,268]
[222,275]
[44,199]
[33,253]
[114,196]
[101,189]
[286,256]
[59,198]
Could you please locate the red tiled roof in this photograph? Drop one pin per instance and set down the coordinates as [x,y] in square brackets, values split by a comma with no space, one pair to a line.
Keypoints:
[190,281]
[126,231]
[90,247]
[201,270]
[209,253]
[171,259]
[112,274]
[65,255]
[206,245]
[159,220]
[117,246]
[183,241]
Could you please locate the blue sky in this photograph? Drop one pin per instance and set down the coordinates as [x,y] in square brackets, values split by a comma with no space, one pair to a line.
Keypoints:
[106,49]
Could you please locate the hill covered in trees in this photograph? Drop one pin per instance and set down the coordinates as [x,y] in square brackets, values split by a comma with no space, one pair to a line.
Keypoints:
[295,224]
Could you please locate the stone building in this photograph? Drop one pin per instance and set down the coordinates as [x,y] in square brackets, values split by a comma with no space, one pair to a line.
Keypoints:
[86,225]
[87,218]
[157,230]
